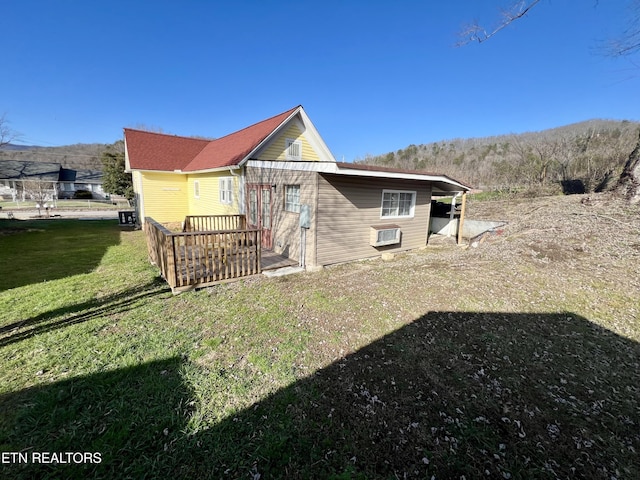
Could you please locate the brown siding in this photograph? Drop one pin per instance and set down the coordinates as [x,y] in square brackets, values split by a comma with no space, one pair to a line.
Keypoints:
[286,225]
[349,206]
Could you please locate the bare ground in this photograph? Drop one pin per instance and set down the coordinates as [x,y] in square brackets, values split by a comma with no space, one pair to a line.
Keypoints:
[515,358]
[577,254]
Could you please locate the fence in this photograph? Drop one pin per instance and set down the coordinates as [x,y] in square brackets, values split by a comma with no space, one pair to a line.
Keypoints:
[199,258]
[208,223]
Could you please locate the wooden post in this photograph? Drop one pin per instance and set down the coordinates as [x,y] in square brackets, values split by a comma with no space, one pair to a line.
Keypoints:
[461,223]
[451,214]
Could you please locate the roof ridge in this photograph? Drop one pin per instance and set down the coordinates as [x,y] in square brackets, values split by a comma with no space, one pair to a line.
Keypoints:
[168,134]
[289,112]
[161,151]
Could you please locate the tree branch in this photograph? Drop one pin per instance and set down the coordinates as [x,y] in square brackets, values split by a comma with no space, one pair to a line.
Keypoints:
[475,33]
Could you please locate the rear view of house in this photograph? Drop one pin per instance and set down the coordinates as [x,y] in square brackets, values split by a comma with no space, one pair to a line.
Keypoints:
[282,177]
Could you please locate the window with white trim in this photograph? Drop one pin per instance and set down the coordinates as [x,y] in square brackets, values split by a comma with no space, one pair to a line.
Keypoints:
[397,204]
[292,198]
[294,149]
[196,189]
[226,190]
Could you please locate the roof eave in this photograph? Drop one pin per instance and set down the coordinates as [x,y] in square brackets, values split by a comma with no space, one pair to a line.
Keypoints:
[403,176]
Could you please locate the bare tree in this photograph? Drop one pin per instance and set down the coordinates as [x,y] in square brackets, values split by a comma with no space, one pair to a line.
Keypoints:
[7,135]
[628,42]
[40,191]
[629,182]
[474,32]
[625,44]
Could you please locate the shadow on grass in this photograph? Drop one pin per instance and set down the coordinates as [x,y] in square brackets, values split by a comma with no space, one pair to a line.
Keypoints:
[129,417]
[79,313]
[42,250]
[492,395]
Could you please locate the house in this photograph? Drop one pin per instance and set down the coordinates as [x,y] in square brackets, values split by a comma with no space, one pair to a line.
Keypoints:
[282,176]
[73,181]
[61,182]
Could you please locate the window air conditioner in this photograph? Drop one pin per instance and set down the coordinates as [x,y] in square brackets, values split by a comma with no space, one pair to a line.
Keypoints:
[384,235]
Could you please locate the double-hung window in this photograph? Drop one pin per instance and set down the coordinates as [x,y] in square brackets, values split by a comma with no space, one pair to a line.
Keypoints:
[226,190]
[292,198]
[293,149]
[397,204]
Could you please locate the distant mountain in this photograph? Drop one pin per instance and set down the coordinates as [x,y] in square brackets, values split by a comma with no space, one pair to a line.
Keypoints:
[587,155]
[12,147]
[81,156]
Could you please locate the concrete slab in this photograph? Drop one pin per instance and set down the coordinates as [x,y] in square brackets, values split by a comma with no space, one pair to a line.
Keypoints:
[280,272]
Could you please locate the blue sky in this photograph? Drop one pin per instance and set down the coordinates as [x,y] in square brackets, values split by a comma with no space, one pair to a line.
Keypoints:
[374,76]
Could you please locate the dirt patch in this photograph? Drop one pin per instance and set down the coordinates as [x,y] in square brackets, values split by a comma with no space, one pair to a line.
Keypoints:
[555,254]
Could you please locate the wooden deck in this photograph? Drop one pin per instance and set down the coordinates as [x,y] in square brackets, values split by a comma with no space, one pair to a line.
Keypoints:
[272,261]
[195,259]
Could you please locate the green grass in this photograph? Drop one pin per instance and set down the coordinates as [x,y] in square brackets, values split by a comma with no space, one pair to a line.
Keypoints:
[359,371]
[69,204]
[45,250]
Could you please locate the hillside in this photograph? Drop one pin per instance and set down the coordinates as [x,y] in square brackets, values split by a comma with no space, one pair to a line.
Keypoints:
[584,156]
[77,157]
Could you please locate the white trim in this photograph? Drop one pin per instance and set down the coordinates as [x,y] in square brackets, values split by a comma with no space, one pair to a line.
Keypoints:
[310,133]
[225,189]
[331,167]
[412,208]
[297,144]
[269,137]
[196,189]
[303,166]
[295,206]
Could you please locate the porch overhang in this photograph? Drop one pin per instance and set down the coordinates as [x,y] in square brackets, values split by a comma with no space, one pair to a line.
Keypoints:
[440,183]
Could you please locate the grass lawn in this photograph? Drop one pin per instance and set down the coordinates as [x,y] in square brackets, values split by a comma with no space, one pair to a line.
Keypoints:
[62,204]
[438,364]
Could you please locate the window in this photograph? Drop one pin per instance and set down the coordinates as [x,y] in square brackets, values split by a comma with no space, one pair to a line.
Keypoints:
[253,207]
[196,189]
[292,198]
[266,208]
[294,149]
[397,204]
[226,190]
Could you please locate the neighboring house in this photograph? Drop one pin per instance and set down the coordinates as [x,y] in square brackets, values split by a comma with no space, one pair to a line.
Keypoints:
[16,175]
[72,181]
[280,173]
[63,182]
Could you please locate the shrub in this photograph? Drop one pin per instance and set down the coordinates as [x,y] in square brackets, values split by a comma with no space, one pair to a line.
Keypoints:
[83,195]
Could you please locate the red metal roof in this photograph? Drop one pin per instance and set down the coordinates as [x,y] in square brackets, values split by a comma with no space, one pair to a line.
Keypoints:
[157,151]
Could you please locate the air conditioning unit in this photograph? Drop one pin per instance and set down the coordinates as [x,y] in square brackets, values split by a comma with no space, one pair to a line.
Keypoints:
[384,235]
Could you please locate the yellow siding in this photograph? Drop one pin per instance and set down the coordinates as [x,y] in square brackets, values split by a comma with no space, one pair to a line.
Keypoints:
[276,149]
[209,201]
[165,196]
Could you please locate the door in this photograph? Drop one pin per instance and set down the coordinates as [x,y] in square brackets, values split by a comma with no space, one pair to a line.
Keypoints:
[260,211]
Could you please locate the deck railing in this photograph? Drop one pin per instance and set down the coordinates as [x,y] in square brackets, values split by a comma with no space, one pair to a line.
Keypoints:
[199,258]
[208,223]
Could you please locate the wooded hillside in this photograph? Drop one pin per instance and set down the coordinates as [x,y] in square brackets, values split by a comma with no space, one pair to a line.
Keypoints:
[586,156]
[76,157]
